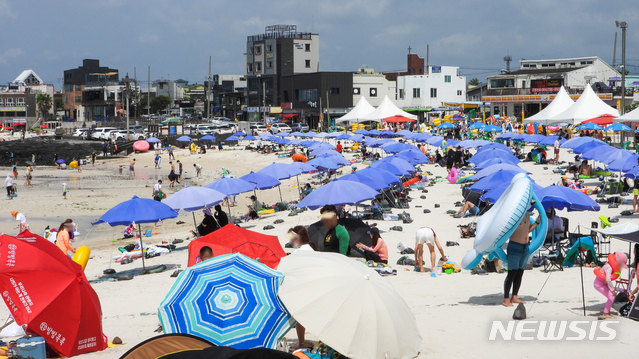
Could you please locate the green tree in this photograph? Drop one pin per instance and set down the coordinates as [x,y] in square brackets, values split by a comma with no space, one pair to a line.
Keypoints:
[44,103]
[159,103]
[474,82]
[58,104]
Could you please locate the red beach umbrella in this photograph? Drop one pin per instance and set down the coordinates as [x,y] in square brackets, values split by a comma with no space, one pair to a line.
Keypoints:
[397,118]
[49,293]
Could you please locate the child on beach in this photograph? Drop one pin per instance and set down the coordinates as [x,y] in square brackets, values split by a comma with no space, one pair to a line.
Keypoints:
[120,169]
[64,190]
[607,286]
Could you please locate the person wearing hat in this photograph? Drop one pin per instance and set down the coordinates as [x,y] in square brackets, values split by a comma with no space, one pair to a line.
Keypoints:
[22,220]
[337,239]
[607,286]
[378,251]
[63,238]
[563,181]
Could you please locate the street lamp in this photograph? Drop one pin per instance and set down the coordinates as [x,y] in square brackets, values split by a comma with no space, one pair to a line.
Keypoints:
[623,25]
[127,84]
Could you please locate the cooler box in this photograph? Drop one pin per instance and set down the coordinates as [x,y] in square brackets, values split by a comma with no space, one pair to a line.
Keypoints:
[34,347]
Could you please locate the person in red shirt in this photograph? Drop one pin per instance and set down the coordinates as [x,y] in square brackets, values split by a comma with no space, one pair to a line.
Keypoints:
[339,147]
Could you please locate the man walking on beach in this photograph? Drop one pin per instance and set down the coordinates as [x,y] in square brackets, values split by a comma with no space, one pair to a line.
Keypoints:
[556,145]
[337,238]
[93,155]
[517,253]
[132,167]
[179,171]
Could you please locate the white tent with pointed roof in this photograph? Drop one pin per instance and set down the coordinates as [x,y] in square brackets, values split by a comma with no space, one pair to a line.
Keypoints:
[632,116]
[559,104]
[587,107]
[358,112]
[387,109]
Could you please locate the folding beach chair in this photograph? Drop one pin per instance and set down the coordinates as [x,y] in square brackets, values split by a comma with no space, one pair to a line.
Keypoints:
[625,285]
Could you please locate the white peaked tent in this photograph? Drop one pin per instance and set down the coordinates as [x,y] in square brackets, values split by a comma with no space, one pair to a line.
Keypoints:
[387,109]
[632,116]
[559,104]
[360,110]
[587,107]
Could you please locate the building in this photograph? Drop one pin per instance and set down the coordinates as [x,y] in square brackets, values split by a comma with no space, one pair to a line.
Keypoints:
[228,95]
[280,52]
[374,86]
[173,89]
[18,100]
[414,66]
[439,86]
[100,82]
[533,86]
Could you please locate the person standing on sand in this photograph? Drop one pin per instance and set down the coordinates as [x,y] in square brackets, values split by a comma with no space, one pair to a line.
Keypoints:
[8,184]
[64,190]
[28,176]
[22,221]
[63,238]
[15,171]
[426,235]
[556,145]
[179,170]
[517,253]
[132,167]
[157,191]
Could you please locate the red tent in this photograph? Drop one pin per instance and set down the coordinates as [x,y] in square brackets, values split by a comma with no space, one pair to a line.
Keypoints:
[49,293]
[397,118]
[601,120]
[233,239]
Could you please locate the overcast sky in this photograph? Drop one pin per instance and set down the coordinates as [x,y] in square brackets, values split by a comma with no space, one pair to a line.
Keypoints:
[176,38]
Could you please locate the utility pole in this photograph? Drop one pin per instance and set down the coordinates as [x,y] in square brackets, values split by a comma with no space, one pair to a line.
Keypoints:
[623,25]
[137,94]
[614,53]
[148,94]
[328,113]
[127,86]
[208,95]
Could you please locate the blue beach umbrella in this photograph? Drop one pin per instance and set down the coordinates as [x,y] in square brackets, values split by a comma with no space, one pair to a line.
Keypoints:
[231,186]
[577,141]
[446,126]
[387,177]
[322,135]
[590,126]
[560,197]
[325,163]
[309,134]
[618,154]
[338,193]
[495,193]
[386,166]
[374,132]
[400,163]
[193,198]
[618,127]
[184,139]
[535,139]
[280,171]
[507,136]
[296,134]
[493,153]
[624,164]
[435,140]
[207,138]
[413,156]
[396,147]
[496,168]
[230,300]
[239,134]
[343,137]
[261,180]
[597,152]
[373,182]
[491,162]
[362,131]
[324,151]
[477,126]
[550,140]
[339,159]
[249,138]
[333,135]
[302,167]
[492,181]
[491,128]
[587,146]
[152,140]
[494,145]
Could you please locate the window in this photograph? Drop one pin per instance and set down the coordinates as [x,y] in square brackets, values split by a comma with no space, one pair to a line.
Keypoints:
[334,91]
[258,50]
[21,101]
[307,95]
[401,93]
[433,93]
[249,68]
[307,64]
[78,99]
[1,100]
[373,92]
[68,88]
[9,101]
[269,48]
[523,84]
[78,87]
[447,78]
[258,66]
[269,64]
[459,92]
[501,83]
[417,92]
[307,47]
[356,91]
[586,62]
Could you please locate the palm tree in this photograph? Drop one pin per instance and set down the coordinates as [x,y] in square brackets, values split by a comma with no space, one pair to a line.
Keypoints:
[44,103]
[473,82]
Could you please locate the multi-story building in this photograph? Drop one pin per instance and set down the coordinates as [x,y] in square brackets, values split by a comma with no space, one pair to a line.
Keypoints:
[374,86]
[438,86]
[533,86]
[100,82]
[18,105]
[280,52]
[227,95]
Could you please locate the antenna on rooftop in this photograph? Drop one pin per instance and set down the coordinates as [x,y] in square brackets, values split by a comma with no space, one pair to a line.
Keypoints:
[508,59]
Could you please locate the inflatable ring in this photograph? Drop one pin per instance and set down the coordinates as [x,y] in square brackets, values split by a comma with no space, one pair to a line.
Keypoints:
[616,272]
[299,158]
[496,226]
[81,256]
[141,146]
[73,164]
[452,175]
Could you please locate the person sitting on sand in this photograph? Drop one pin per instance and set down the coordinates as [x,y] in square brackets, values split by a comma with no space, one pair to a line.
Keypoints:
[378,251]
[563,181]
[208,225]
[63,238]
[585,169]
[220,216]
[257,205]
[517,253]
[426,235]
[206,253]
[337,238]
[467,209]
[607,287]
[307,190]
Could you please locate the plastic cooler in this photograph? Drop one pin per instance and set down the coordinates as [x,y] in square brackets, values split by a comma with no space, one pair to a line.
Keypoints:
[34,347]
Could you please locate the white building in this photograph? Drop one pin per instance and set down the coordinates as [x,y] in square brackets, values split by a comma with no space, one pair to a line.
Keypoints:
[373,86]
[442,84]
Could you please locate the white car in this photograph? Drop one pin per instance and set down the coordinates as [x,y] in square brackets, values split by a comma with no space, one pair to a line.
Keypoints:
[221,129]
[280,127]
[80,132]
[102,133]
[258,128]
[120,135]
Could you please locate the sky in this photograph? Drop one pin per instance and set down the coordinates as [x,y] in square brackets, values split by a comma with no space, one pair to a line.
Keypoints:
[176,38]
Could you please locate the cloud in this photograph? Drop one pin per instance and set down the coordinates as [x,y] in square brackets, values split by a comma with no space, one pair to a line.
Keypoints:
[6,9]
[393,34]
[10,54]
[148,37]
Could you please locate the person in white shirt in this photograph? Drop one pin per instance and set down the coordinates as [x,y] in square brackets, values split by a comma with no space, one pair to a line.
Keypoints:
[22,220]
[198,170]
[555,226]
[556,146]
[157,191]
[8,184]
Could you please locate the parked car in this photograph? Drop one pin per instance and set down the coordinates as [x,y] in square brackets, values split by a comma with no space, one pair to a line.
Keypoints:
[79,132]
[120,135]
[102,133]
[280,127]
[136,129]
[300,127]
[258,128]
[221,129]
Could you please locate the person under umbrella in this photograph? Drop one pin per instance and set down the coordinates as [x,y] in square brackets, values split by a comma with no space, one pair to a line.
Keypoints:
[378,251]
[220,216]
[337,238]
[208,225]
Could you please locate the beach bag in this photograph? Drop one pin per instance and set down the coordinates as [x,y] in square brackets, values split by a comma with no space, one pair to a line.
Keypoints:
[401,246]
[520,312]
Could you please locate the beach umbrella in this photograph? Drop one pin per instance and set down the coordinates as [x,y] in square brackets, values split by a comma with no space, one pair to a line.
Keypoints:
[231,186]
[535,139]
[493,194]
[632,173]
[493,180]
[184,139]
[395,147]
[320,145]
[413,156]
[339,159]
[560,197]
[618,127]
[362,131]
[349,302]
[208,138]
[333,134]
[302,167]
[617,155]
[577,141]
[492,153]
[343,137]
[590,126]
[390,168]
[387,177]
[138,210]
[249,138]
[261,180]
[338,193]
[496,168]
[309,134]
[233,239]
[152,140]
[61,160]
[375,183]
[282,141]
[325,151]
[356,138]
[45,291]
[435,141]
[477,126]
[191,199]
[446,126]
[493,161]
[232,138]
[550,140]
[400,163]
[296,134]
[280,171]
[375,132]
[322,135]
[507,136]
[239,134]
[230,300]
[325,163]
[598,152]
[587,146]
[491,128]
[520,137]
[494,145]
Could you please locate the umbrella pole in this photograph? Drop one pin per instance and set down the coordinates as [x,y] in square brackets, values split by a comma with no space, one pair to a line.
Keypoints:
[280,189]
[299,190]
[142,249]
[194,222]
[581,269]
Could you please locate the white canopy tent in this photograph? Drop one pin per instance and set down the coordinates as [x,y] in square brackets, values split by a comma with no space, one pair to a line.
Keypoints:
[587,107]
[360,110]
[632,116]
[387,109]
[627,231]
[559,104]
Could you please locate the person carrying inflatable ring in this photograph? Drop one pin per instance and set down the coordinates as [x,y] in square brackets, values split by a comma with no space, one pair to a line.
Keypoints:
[605,277]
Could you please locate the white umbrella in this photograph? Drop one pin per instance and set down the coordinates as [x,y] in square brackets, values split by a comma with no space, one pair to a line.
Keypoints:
[348,306]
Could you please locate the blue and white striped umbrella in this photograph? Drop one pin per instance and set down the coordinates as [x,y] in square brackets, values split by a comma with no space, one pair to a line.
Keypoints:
[230,300]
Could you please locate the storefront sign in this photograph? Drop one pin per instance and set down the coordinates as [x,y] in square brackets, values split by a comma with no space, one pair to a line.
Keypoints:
[253,109]
[19,108]
[546,85]
[286,105]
